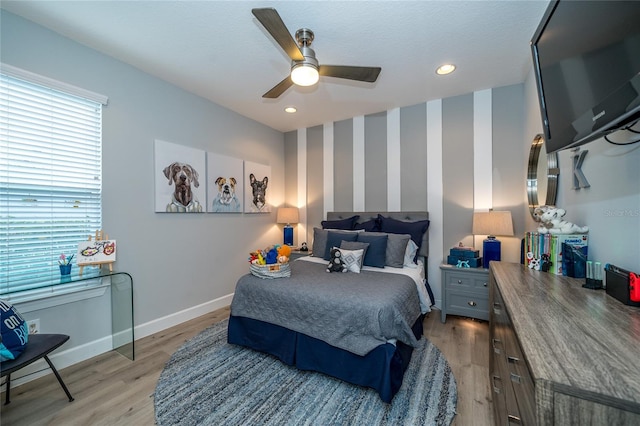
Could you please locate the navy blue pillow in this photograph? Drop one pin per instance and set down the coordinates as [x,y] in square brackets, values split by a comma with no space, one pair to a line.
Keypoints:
[369,226]
[415,229]
[340,224]
[334,239]
[377,251]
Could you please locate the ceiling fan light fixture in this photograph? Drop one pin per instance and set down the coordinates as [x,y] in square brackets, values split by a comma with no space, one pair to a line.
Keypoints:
[304,74]
[445,69]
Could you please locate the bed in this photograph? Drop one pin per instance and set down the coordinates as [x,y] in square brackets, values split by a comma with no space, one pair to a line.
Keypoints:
[358,327]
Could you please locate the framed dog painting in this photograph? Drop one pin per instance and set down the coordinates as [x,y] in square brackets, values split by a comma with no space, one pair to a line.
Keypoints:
[178,172]
[225,190]
[256,181]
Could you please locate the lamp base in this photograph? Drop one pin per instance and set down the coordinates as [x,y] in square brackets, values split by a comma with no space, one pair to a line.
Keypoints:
[490,251]
[288,235]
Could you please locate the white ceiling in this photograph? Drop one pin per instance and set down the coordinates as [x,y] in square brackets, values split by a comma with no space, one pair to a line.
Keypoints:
[218,50]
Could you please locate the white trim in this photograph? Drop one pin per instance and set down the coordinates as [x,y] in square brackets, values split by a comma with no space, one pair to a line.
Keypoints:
[53,84]
[49,297]
[435,197]
[358,164]
[176,318]
[482,151]
[394,169]
[327,168]
[302,185]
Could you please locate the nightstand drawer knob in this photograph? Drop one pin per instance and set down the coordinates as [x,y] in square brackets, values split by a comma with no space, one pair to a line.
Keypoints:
[459,281]
[471,303]
[484,284]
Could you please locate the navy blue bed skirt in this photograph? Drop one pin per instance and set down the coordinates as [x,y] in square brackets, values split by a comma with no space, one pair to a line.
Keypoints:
[381,369]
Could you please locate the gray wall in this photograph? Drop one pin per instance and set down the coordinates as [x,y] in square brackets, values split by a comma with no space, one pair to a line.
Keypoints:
[177,261]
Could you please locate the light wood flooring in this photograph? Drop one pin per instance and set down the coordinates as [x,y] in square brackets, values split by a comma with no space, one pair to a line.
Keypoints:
[112,390]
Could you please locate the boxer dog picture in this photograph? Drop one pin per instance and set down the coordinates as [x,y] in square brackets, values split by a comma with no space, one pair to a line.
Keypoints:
[224,184]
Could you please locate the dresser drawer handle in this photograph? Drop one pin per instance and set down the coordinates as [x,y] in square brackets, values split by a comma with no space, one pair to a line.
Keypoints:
[459,281]
[513,419]
[493,344]
[496,389]
[513,359]
[484,284]
[515,378]
[471,303]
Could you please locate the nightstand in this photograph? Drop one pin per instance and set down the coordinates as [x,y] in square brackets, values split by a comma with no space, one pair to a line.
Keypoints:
[295,254]
[465,292]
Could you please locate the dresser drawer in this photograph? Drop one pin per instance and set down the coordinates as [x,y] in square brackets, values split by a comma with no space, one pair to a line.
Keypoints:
[472,304]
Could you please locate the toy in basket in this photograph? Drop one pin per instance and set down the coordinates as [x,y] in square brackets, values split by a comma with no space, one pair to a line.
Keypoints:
[272,262]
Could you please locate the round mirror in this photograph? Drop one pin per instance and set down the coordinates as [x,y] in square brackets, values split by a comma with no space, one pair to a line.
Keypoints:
[542,176]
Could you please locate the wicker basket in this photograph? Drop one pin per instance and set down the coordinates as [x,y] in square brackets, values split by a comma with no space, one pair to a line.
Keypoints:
[276,270]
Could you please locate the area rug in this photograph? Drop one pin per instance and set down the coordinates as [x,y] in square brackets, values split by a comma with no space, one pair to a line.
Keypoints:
[210,382]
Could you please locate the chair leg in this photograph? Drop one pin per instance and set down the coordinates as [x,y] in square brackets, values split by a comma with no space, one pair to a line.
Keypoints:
[64,387]
[8,383]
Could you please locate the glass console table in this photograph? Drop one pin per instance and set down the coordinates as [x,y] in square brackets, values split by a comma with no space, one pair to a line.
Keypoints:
[121,287]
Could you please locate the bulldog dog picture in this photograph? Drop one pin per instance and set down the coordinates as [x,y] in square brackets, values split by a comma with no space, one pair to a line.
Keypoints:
[224,184]
[257,178]
[178,173]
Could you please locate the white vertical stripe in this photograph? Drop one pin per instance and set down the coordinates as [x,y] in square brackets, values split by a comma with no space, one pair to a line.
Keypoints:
[435,197]
[327,155]
[302,184]
[482,151]
[358,163]
[394,177]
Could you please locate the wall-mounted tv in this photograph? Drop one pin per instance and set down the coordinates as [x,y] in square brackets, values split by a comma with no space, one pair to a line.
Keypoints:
[586,57]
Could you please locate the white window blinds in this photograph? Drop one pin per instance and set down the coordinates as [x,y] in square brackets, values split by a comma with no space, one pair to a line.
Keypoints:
[50,179]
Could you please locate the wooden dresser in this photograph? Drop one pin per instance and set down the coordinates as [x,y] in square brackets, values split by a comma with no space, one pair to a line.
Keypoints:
[560,354]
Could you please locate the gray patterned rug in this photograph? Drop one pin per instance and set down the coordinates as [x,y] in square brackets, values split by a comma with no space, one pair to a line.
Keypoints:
[209,382]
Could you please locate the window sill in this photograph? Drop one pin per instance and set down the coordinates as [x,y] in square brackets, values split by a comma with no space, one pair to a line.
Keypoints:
[34,300]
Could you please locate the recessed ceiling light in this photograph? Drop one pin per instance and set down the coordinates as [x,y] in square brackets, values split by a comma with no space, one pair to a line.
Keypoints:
[290,109]
[446,69]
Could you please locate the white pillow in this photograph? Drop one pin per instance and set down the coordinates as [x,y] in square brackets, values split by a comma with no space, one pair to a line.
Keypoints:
[352,259]
[410,254]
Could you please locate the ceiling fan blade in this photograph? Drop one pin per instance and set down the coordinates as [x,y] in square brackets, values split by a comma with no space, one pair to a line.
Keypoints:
[368,74]
[272,22]
[279,88]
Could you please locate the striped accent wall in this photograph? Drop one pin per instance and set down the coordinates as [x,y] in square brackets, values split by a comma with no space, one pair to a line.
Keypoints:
[448,156]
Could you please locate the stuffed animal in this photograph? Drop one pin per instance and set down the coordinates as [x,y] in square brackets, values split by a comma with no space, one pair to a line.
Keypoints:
[335,263]
[284,251]
[553,224]
[272,256]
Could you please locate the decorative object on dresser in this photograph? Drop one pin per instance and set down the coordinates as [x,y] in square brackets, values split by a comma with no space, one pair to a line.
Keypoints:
[559,353]
[465,292]
[544,252]
[492,223]
[210,382]
[288,215]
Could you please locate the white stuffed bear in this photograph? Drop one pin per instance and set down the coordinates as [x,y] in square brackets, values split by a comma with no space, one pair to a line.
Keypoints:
[553,224]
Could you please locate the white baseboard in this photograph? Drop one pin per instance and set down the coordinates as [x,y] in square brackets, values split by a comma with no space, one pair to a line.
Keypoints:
[157,325]
[74,355]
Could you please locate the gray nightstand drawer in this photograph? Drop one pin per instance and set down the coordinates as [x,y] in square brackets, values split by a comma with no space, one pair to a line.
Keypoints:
[468,304]
[465,292]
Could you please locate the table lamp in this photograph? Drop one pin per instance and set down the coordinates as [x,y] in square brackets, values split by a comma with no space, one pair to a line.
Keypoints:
[288,215]
[492,223]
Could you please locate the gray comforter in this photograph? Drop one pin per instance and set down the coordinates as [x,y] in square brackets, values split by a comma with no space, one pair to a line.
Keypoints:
[354,312]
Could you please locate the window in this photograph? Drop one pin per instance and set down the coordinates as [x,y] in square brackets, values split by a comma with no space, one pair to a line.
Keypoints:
[50,176]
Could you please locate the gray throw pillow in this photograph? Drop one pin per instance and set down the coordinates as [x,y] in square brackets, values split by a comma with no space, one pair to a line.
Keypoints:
[356,245]
[396,248]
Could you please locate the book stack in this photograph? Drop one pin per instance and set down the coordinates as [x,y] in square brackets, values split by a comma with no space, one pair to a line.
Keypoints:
[543,252]
[465,256]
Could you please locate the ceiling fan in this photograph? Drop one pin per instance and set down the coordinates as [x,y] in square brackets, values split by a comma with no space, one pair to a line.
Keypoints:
[305,70]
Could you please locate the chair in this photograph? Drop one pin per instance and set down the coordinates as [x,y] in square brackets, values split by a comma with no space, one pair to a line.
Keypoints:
[38,346]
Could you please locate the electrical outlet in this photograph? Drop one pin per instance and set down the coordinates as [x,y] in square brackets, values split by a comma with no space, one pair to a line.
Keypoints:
[34,326]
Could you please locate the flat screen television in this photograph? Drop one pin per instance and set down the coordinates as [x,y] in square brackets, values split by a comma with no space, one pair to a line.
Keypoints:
[586,57]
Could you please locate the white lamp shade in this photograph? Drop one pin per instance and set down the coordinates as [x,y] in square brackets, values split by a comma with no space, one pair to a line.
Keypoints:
[493,223]
[287,215]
